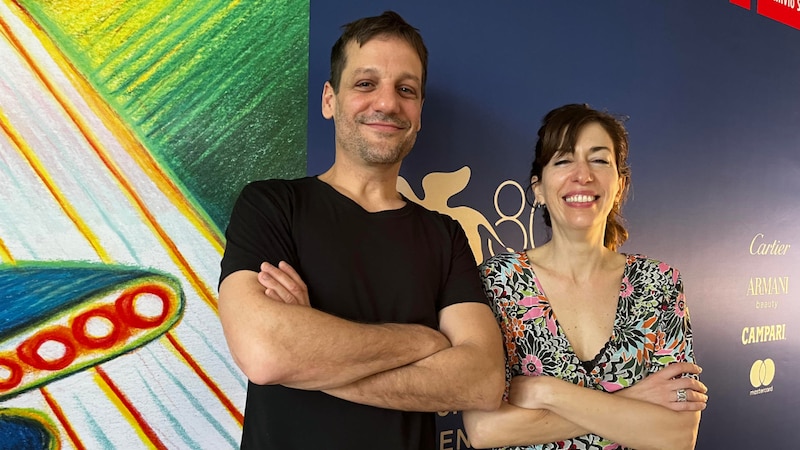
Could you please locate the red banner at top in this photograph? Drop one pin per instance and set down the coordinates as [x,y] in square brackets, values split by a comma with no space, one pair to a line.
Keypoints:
[784,11]
[743,3]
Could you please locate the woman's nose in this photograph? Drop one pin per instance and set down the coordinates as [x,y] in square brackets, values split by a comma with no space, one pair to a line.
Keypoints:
[583,173]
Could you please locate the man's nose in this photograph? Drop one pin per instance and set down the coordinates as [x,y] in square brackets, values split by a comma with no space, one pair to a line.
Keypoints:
[386,99]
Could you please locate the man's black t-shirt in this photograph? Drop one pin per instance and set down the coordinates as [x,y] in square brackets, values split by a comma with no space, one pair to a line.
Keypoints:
[399,266]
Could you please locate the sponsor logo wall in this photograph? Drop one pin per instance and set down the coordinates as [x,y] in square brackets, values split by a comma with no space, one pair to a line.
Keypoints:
[711,90]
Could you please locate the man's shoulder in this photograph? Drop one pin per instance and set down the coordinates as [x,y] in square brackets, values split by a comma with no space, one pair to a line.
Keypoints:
[434,215]
[280,183]
[277,187]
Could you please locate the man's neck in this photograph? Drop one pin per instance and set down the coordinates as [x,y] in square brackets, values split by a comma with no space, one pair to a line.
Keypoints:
[374,189]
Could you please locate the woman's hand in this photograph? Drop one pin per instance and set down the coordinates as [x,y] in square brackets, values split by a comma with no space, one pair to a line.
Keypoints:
[661,388]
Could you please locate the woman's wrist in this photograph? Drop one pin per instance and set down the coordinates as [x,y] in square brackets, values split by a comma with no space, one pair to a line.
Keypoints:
[532,392]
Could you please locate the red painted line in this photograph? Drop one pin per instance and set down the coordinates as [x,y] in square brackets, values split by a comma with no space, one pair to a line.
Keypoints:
[59,413]
[137,416]
[207,380]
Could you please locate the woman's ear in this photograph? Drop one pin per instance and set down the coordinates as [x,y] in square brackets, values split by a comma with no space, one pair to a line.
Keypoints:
[538,196]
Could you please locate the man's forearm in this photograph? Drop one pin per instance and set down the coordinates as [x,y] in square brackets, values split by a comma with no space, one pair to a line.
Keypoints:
[458,378]
[300,347]
[349,352]
[468,375]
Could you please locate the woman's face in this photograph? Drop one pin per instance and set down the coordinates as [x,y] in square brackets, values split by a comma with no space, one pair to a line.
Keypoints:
[580,188]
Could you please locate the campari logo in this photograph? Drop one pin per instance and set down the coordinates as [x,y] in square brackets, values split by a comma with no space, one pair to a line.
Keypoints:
[786,12]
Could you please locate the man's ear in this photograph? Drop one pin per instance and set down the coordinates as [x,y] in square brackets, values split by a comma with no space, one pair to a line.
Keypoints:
[419,127]
[328,101]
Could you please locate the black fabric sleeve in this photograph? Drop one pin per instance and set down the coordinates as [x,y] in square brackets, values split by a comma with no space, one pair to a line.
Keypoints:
[260,228]
[463,283]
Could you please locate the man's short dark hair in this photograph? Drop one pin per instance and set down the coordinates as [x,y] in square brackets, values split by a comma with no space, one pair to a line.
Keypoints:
[361,31]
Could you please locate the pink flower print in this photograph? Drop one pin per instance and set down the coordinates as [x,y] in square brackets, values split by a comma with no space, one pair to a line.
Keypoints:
[551,325]
[680,305]
[533,306]
[531,366]
[663,268]
[529,301]
[539,307]
[612,447]
[610,386]
[626,289]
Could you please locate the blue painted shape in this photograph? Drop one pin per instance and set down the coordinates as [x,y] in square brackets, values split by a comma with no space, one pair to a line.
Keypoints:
[19,432]
[33,292]
[34,295]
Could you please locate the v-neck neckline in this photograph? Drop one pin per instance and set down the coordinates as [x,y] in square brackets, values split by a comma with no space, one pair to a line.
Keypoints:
[588,366]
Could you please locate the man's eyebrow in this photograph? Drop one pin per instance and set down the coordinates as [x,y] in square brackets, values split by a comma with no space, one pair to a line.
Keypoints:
[375,72]
[365,71]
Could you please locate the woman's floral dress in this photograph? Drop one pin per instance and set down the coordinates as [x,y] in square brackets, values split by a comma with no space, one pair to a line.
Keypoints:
[651,330]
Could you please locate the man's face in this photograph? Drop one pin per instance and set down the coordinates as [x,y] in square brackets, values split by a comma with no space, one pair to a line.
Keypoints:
[378,108]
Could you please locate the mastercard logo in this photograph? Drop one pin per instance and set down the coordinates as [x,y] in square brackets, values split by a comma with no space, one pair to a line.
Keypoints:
[762,373]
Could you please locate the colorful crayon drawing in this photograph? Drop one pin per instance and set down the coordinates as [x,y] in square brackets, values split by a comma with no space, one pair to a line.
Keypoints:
[126,130]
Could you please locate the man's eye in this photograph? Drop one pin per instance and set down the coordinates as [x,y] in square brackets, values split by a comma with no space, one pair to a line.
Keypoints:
[405,90]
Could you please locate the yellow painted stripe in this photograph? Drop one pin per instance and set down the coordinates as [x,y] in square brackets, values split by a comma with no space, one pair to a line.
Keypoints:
[129,411]
[5,253]
[37,166]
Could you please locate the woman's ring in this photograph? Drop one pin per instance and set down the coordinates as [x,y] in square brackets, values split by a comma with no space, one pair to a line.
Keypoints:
[681,393]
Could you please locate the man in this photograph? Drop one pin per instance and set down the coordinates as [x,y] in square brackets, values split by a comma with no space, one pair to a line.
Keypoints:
[368,314]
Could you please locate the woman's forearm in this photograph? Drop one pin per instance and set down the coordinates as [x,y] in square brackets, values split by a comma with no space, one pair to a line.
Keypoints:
[511,425]
[627,421]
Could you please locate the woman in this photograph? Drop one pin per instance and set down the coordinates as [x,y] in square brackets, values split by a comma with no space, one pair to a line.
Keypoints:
[598,343]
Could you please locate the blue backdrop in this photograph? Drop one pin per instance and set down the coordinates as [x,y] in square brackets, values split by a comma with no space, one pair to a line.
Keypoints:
[712,91]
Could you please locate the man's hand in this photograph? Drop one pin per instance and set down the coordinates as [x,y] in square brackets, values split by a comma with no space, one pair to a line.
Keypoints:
[283,284]
[661,388]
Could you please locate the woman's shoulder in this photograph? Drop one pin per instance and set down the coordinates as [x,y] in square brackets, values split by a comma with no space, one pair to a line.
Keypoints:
[641,263]
[504,259]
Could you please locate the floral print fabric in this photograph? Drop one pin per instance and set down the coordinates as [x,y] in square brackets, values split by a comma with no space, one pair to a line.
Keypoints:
[651,330]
